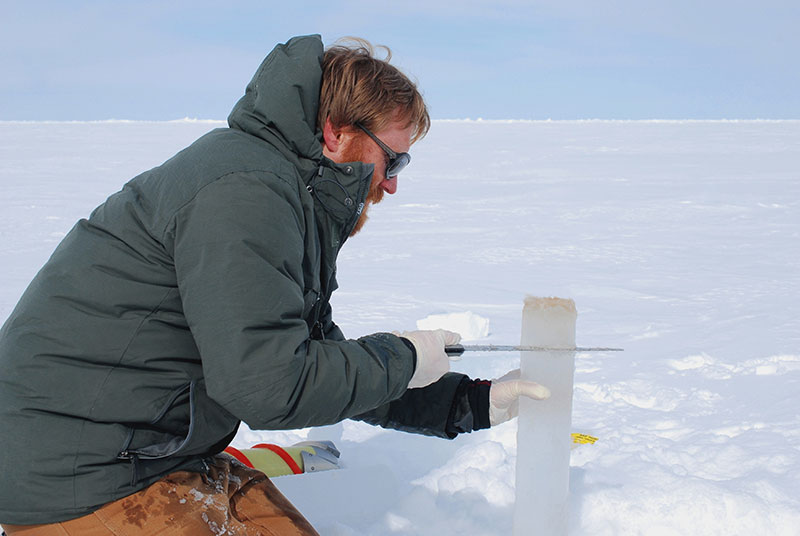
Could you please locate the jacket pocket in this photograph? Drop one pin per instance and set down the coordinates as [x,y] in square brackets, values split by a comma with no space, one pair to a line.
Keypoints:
[169,436]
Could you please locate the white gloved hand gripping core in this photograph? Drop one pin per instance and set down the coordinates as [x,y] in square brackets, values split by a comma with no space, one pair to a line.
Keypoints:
[504,396]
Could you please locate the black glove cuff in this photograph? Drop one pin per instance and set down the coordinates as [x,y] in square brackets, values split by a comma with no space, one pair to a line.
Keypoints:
[470,409]
[478,394]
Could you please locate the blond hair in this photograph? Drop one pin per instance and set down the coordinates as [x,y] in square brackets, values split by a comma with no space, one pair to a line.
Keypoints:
[357,87]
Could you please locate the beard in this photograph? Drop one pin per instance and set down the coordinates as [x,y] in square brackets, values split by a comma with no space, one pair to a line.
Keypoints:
[376,192]
[374,196]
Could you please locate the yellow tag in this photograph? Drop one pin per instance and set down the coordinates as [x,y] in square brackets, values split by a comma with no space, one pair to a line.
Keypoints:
[583,439]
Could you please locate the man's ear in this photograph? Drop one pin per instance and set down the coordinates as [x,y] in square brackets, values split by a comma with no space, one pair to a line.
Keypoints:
[331,137]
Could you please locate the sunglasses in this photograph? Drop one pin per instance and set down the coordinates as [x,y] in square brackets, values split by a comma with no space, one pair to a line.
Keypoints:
[397,161]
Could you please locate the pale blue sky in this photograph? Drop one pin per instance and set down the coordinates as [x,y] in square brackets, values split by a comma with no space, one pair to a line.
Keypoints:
[506,59]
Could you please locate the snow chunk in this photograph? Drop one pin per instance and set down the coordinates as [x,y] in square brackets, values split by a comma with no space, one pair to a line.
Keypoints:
[691,362]
[469,325]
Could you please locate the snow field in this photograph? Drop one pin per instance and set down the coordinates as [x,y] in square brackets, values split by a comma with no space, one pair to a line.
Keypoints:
[677,241]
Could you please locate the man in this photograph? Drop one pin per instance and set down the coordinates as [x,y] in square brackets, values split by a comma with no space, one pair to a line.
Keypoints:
[198,297]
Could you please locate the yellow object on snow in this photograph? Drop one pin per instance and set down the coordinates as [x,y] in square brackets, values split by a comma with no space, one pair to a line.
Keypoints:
[583,439]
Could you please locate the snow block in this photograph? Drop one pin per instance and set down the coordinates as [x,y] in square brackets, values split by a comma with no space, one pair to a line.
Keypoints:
[467,324]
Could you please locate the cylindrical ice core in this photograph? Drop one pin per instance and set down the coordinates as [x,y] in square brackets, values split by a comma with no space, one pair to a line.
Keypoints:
[543,437]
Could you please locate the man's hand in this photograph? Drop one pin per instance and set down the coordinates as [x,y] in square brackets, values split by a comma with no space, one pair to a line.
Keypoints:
[504,396]
[432,361]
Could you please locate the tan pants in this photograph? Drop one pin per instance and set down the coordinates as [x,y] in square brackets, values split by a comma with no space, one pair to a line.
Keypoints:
[231,499]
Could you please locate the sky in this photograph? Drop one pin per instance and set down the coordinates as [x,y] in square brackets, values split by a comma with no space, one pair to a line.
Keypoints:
[504,59]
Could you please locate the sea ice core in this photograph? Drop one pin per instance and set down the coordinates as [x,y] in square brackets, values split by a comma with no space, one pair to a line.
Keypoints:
[543,434]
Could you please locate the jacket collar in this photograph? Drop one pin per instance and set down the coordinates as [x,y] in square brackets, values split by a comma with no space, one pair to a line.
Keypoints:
[340,191]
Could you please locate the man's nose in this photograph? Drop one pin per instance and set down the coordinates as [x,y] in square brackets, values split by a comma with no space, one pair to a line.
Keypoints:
[389,185]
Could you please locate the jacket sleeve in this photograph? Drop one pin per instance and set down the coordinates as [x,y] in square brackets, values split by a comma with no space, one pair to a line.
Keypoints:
[455,404]
[238,252]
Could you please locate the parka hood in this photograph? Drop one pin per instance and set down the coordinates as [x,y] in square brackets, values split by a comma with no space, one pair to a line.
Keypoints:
[281,102]
[280,106]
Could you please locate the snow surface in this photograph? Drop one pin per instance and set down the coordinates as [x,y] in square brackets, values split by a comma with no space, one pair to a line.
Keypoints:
[677,240]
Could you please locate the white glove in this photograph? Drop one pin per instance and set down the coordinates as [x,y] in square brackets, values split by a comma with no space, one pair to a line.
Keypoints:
[504,396]
[432,361]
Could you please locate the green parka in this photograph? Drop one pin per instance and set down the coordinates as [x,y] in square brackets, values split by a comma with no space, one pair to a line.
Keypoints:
[195,298]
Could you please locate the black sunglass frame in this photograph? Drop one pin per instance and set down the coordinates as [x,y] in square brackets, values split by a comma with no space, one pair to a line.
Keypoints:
[397,161]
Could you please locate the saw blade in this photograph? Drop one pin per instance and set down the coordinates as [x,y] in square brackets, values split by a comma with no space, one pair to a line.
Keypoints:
[458,349]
